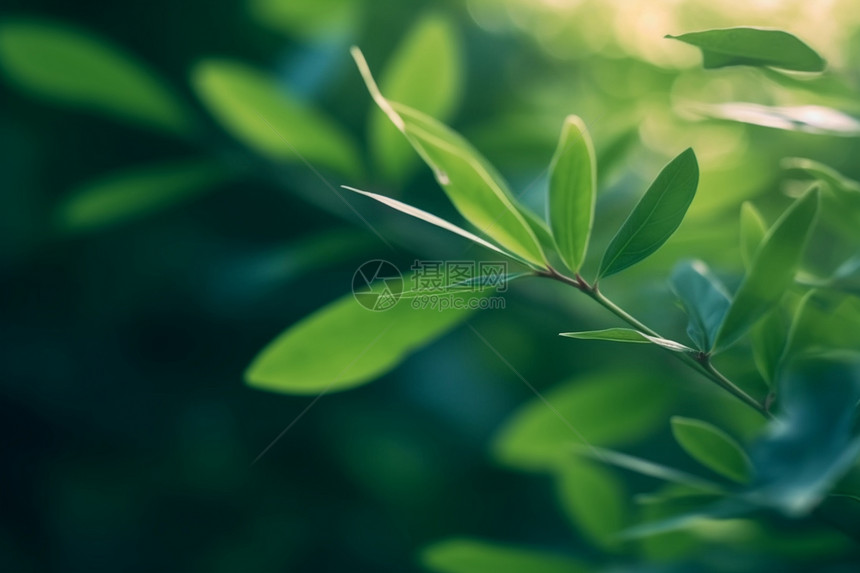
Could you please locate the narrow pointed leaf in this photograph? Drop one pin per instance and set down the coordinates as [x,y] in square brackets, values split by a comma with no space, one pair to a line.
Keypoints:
[655,217]
[627,335]
[744,46]
[772,271]
[429,218]
[474,556]
[79,69]
[753,230]
[713,448]
[344,345]
[258,111]
[814,119]
[704,298]
[474,188]
[425,74]
[135,193]
[572,192]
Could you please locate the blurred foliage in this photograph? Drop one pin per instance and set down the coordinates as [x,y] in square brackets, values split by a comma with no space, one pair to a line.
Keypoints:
[143,269]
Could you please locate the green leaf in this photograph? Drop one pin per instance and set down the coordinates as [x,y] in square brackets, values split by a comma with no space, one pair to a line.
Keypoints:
[536,437]
[772,271]
[474,188]
[594,499]
[753,230]
[135,193]
[473,556]
[424,74]
[753,47]
[627,335]
[79,69]
[713,448]
[572,192]
[835,180]
[814,119]
[257,110]
[344,344]
[704,299]
[655,217]
[768,339]
[307,19]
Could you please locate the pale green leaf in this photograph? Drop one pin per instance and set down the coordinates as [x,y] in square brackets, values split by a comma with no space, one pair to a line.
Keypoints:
[655,217]
[835,180]
[594,499]
[753,230]
[627,335]
[76,68]
[745,46]
[474,556]
[572,192]
[704,298]
[259,111]
[772,271]
[713,448]
[135,193]
[306,19]
[425,74]
[476,190]
[814,119]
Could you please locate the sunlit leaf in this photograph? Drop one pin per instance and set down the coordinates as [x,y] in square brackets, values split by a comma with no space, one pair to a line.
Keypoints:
[536,437]
[307,19]
[572,192]
[76,68]
[256,109]
[473,556]
[713,448]
[753,230]
[627,335]
[425,74]
[704,298]
[808,118]
[472,185]
[344,345]
[594,499]
[772,271]
[655,217]
[753,47]
[135,193]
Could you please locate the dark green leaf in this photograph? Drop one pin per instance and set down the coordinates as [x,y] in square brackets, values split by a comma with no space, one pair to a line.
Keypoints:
[77,68]
[572,192]
[655,217]
[135,193]
[704,299]
[473,556]
[753,47]
[772,271]
[256,109]
[424,74]
[472,185]
[344,345]
[713,448]
[627,335]
[753,230]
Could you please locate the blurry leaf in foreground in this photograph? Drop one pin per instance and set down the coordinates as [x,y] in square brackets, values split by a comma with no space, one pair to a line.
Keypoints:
[76,68]
[135,193]
[307,19]
[425,74]
[472,185]
[810,446]
[536,438]
[772,271]
[835,180]
[753,230]
[258,111]
[657,215]
[744,46]
[572,192]
[473,556]
[808,118]
[704,299]
[344,345]
[627,335]
[713,448]
[594,499]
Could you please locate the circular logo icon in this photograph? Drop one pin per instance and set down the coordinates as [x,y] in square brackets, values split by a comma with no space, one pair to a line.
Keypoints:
[377,285]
